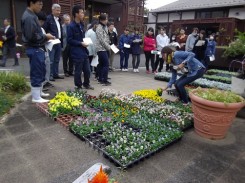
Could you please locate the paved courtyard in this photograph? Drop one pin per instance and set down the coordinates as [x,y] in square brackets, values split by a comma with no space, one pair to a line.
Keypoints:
[35,149]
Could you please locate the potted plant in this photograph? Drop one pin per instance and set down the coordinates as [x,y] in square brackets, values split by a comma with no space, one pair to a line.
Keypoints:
[214,111]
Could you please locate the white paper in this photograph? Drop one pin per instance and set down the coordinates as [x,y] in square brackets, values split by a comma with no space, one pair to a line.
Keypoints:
[49,45]
[19,45]
[95,61]
[114,48]
[126,45]
[87,40]
[137,40]
[212,58]
[200,43]
[155,52]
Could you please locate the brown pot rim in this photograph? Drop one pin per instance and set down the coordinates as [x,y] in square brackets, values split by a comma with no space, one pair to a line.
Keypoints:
[215,104]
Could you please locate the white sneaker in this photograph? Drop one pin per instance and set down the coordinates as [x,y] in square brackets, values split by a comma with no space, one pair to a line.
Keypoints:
[137,70]
[126,70]
[123,70]
[45,94]
[40,100]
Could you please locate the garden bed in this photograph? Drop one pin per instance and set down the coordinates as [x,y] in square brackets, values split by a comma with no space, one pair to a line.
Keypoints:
[125,128]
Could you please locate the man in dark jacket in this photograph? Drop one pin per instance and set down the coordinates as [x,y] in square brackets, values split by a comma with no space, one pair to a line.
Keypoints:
[78,48]
[9,43]
[34,40]
[53,26]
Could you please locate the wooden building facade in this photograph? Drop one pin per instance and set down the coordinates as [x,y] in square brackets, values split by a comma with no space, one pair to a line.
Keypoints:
[124,12]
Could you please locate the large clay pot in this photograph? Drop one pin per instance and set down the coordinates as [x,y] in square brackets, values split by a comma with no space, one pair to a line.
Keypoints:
[213,119]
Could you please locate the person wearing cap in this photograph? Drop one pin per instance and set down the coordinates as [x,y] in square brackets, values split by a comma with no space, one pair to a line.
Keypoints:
[191,68]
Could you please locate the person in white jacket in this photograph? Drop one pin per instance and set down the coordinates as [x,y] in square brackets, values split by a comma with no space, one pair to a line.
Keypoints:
[162,41]
[92,35]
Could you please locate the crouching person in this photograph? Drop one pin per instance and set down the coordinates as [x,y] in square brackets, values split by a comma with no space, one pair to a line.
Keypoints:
[191,68]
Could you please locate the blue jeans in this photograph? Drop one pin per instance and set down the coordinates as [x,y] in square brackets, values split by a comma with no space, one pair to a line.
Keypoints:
[54,56]
[37,66]
[183,81]
[81,65]
[103,67]
[124,55]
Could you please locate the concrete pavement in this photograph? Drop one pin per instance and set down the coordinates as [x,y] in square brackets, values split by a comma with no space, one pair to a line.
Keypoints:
[35,149]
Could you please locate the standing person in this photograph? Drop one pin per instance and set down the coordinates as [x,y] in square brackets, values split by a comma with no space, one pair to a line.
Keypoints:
[124,47]
[113,40]
[78,48]
[53,26]
[42,18]
[191,39]
[34,41]
[103,48]
[9,43]
[149,45]
[210,50]
[92,35]
[67,61]
[182,59]
[136,41]
[200,46]
[162,41]
[181,39]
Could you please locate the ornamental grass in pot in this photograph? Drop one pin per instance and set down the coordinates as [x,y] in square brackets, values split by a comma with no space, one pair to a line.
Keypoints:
[214,111]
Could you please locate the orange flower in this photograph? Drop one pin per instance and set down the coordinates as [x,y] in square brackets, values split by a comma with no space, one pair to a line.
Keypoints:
[100,177]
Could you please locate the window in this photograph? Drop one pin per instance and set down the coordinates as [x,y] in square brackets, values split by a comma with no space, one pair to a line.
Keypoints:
[210,14]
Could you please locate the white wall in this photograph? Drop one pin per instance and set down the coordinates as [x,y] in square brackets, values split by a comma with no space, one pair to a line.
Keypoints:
[188,15]
[237,13]
[174,16]
[162,18]
[151,18]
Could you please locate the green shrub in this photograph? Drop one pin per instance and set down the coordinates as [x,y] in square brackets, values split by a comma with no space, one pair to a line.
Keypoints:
[13,81]
[237,47]
[6,102]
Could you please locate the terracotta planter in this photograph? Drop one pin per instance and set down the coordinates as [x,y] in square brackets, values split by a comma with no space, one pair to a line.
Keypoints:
[213,119]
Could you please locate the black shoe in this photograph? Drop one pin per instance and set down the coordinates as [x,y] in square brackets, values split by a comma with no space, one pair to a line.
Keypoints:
[58,77]
[107,83]
[16,64]
[108,78]
[89,87]
[2,65]
[67,75]
[71,73]
[47,85]
[51,79]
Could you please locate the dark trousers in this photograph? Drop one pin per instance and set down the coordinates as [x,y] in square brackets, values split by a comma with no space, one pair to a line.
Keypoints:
[103,66]
[124,56]
[81,65]
[183,81]
[67,61]
[159,61]
[136,65]
[149,57]
[206,62]
[12,51]
[54,56]
[37,66]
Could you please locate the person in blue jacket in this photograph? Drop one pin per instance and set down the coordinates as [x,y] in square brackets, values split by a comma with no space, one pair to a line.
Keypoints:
[191,68]
[78,48]
[210,50]
[136,41]
[124,47]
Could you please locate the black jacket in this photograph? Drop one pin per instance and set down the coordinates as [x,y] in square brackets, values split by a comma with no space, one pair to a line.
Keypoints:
[113,38]
[10,34]
[51,27]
